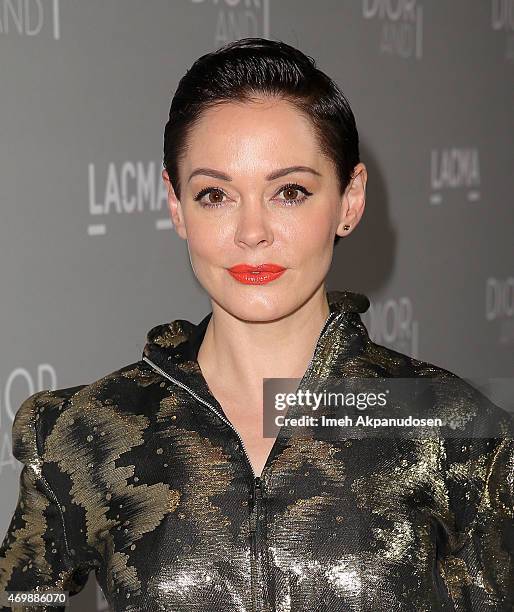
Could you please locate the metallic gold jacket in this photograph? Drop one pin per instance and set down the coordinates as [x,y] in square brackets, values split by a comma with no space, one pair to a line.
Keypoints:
[140,477]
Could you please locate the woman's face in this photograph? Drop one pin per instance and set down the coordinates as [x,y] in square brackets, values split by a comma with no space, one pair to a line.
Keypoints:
[240,214]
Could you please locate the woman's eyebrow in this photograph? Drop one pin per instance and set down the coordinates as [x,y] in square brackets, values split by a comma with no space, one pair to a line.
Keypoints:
[270,177]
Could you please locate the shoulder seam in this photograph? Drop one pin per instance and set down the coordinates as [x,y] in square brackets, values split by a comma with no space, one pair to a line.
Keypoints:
[40,476]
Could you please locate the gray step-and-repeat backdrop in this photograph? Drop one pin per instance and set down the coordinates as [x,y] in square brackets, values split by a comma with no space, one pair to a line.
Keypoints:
[89,260]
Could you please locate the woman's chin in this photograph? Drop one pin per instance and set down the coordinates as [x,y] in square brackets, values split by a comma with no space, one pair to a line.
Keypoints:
[257,306]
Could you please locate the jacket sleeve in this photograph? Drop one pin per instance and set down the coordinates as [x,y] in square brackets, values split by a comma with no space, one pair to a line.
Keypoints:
[35,552]
[479,572]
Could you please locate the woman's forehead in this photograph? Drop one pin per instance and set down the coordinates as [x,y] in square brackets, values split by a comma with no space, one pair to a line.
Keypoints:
[246,142]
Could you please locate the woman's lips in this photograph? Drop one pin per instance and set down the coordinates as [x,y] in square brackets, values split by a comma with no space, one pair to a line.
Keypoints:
[256,275]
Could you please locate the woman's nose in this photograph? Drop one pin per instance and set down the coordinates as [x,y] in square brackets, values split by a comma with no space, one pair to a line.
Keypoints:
[253,224]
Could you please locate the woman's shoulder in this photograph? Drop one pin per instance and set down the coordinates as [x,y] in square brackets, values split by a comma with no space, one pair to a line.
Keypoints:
[109,398]
[466,404]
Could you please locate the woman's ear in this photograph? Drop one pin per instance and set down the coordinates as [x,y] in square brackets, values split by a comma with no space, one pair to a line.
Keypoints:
[175,207]
[353,201]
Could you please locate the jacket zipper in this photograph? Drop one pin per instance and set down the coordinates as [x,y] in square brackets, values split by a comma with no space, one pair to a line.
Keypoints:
[225,420]
[257,485]
[255,539]
[200,399]
[254,520]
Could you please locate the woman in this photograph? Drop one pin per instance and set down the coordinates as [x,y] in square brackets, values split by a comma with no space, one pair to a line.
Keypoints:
[158,477]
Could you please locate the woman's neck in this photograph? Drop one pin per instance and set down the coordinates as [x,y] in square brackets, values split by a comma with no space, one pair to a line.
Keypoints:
[241,354]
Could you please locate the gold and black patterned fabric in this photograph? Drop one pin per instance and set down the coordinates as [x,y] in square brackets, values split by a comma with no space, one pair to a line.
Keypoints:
[140,477]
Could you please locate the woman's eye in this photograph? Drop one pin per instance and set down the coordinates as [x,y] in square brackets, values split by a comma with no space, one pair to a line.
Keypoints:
[216,196]
[293,188]
[208,191]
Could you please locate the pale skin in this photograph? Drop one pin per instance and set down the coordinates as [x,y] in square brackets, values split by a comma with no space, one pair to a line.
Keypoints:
[270,330]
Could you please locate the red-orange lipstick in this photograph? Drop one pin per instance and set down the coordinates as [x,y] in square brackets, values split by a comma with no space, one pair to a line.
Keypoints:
[251,274]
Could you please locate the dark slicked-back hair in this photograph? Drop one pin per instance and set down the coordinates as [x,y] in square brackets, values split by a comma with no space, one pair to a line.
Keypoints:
[249,69]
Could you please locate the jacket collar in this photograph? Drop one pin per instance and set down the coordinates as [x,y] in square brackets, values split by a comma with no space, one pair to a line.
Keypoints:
[173,347]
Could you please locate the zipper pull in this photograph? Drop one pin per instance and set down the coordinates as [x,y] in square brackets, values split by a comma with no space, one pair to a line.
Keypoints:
[257,496]
[257,488]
